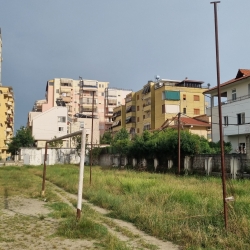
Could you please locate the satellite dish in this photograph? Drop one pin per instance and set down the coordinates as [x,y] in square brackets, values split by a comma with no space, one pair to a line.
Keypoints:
[157,77]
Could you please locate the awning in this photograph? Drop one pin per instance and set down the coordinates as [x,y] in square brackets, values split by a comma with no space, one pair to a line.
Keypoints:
[172,95]
[128,109]
[128,119]
[116,123]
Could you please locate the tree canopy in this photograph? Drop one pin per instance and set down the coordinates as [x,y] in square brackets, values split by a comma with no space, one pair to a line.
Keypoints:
[23,138]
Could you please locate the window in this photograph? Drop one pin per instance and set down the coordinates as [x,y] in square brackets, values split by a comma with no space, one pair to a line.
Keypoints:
[60,129]
[163,109]
[184,111]
[184,97]
[241,118]
[119,103]
[196,98]
[138,97]
[233,94]
[196,111]
[225,120]
[138,108]
[57,91]
[61,119]
[138,130]
[143,117]
[100,85]
[138,119]
[102,93]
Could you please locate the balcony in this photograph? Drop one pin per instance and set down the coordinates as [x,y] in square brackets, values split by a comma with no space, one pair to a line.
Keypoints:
[66,99]
[9,112]
[65,89]
[147,96]
[109,122]
[9,130]
[8,94]
[9,103]
[147,108]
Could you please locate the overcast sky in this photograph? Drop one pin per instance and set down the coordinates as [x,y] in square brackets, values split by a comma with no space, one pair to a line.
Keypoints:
[124,42]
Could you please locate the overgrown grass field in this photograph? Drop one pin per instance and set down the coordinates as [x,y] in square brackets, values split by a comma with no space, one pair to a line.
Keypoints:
[186,210]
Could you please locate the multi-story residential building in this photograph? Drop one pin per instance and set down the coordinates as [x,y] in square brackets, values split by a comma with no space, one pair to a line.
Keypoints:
[48,124]
[6,112]
[130,118]
[6,118]
[113,97]
[119,118]
[156,102]
[173,97]
[235,111]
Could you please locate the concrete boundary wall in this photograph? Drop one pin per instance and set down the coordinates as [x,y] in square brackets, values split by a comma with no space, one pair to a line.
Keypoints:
[237,166]
[35,156]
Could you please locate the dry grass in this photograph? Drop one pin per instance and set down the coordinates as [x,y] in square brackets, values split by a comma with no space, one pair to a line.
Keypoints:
[186,210]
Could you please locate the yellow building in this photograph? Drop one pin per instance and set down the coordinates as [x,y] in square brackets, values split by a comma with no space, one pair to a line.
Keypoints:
[173,97]
[119,118]
[150,107]
[6,119]
[130,120]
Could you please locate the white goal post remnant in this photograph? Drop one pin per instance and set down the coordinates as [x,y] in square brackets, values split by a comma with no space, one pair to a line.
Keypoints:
[81,170]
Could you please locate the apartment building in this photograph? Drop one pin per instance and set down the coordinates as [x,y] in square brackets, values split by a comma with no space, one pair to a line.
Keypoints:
[235,111]
[156,102]
[6,119]
[119,118]
[174,96]
[6,112]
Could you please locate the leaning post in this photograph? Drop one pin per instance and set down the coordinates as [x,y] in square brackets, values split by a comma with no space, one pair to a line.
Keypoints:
[81,172]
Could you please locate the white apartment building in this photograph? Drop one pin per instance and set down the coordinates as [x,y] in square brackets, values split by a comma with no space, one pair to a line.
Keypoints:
[235,111]
[46,125]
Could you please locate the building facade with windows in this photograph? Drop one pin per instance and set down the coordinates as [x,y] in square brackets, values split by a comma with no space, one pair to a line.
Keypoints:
[156,102]
[119,118]
[48,124]
[174,96]
[6,112]
[235,95]
[6,119]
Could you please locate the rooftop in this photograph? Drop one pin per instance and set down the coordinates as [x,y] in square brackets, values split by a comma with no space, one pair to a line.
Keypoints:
[241,74]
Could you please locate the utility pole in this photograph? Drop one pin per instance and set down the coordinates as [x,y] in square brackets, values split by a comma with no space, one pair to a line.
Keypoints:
[220,113]
[91,160]
[179,145]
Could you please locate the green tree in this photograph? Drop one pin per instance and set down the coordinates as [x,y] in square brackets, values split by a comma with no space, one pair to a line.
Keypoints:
[23,138]
[121,135]
[106,138]
[56,144]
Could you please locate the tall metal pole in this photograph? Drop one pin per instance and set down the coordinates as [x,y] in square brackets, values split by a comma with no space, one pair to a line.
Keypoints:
[44,169]
[91,159]
[81,172]
[179,145]
[220,113]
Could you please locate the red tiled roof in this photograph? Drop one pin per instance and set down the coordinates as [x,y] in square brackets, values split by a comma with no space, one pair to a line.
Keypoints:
[192,121]
[242,74]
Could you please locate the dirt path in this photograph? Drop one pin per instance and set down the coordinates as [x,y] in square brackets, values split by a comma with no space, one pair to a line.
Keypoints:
[125,231]
[23,226]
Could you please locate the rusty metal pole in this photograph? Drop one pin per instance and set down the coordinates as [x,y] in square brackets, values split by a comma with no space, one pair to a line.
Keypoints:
[179,145]
[44,169]
[91,159]
[220,113]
